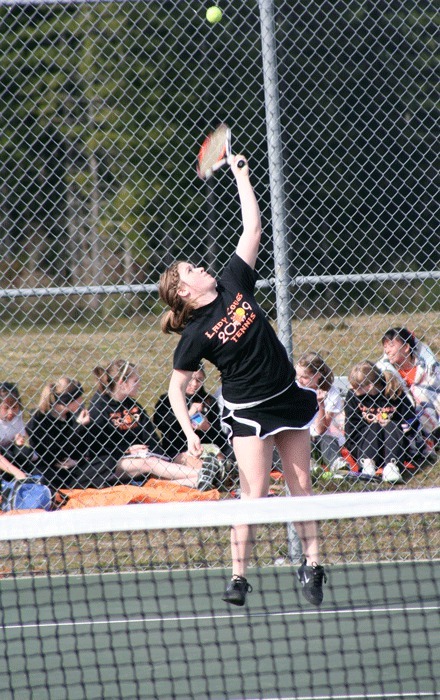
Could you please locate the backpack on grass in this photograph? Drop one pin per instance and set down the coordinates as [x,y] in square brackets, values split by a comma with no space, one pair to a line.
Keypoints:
[24,494]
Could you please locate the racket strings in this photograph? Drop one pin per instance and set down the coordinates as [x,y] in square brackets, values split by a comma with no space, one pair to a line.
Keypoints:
[213,150]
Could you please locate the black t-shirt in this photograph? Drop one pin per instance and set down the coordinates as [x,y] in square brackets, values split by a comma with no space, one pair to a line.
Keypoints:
[55,440]
[361,411]
[233,334]
[116,425]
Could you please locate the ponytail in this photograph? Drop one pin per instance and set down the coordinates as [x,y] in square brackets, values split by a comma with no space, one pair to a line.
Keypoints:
[393,386]
[117,371]
[46,398]
[103,382]
[64,391]
[175,319]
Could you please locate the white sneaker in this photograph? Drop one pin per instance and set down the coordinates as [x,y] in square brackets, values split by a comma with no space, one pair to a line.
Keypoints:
[368,466]
[315,467]
[339,464]
[391,473]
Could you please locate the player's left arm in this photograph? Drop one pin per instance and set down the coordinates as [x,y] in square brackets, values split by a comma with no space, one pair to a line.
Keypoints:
[249,242]
[176,392]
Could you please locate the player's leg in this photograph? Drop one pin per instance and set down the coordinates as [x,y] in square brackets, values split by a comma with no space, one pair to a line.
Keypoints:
[294,450]
[254,458]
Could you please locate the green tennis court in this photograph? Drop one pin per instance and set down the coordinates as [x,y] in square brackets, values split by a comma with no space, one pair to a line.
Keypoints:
[169,635]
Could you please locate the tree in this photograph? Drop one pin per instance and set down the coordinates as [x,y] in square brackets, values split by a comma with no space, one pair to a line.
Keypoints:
[358,90]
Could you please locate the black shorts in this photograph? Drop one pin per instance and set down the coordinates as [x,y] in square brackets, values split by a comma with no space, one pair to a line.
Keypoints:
[294,409]
[98,474]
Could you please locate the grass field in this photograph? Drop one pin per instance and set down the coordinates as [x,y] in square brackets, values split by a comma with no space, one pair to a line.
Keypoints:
[33,356]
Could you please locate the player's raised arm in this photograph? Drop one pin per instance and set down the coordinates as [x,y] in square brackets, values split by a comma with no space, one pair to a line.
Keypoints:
[249,242]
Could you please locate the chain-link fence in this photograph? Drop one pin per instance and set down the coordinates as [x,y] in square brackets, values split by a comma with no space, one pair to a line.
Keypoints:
[104,106]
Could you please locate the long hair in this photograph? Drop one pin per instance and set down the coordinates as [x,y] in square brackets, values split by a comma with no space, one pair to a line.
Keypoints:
[108,377]
[315,364]
[175,319]
[365,373]
[64,390]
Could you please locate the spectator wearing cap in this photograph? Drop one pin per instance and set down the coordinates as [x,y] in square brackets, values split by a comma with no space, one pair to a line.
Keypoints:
[58,433]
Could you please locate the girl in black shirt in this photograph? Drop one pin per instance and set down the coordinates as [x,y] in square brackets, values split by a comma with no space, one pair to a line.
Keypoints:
[264,407]
[58,433]
[123,443]
[380,422]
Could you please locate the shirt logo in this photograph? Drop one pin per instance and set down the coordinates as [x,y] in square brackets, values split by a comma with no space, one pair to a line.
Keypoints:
[126,420]
[373,414]
[235,324]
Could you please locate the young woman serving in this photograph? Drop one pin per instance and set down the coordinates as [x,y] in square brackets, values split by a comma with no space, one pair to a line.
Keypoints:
[264,407]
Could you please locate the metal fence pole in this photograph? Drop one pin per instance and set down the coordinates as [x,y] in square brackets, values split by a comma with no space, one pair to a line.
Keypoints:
[276,178]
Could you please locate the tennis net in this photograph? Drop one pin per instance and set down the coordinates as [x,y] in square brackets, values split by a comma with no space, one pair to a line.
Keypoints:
[126,602]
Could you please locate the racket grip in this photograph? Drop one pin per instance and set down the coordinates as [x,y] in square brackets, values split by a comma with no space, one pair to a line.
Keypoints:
[241,164]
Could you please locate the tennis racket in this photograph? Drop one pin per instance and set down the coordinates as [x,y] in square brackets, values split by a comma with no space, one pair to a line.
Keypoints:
[215,152]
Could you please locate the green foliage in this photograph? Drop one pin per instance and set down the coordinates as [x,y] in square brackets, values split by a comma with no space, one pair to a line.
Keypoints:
[104,105]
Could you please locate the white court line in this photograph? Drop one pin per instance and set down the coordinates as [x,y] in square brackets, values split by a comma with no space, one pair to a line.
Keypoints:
[363,696]
[226,616]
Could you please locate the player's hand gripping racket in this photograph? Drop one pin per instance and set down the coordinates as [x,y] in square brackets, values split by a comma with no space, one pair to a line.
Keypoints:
[215,152]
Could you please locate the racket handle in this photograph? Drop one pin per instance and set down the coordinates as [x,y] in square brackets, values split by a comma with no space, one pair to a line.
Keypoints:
[241,164]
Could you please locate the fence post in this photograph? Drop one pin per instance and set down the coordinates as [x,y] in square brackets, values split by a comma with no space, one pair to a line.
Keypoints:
[277,198]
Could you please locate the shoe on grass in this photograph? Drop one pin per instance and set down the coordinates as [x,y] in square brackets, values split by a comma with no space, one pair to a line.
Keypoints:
[339,465]
[211,474]
[391,473]
[368,466]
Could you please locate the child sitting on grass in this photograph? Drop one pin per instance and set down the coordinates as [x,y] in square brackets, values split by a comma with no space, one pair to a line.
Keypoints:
[326,432]
[14,441]
[379,421]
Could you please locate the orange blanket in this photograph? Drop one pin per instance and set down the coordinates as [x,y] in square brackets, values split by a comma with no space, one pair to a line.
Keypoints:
[154,491]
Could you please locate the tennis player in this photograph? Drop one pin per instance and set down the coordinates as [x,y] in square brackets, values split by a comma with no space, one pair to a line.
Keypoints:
[220,321]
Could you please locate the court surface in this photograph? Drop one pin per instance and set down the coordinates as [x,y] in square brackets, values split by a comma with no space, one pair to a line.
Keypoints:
[169,635]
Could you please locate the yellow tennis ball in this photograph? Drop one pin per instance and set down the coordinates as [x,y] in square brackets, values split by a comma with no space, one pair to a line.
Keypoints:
[214,14]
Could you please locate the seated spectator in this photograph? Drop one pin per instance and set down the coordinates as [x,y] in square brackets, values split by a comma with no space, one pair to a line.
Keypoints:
[123,444]
[14,442]
[379,421]
[203,407]
[58,433]
[415,365]
[327,429]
